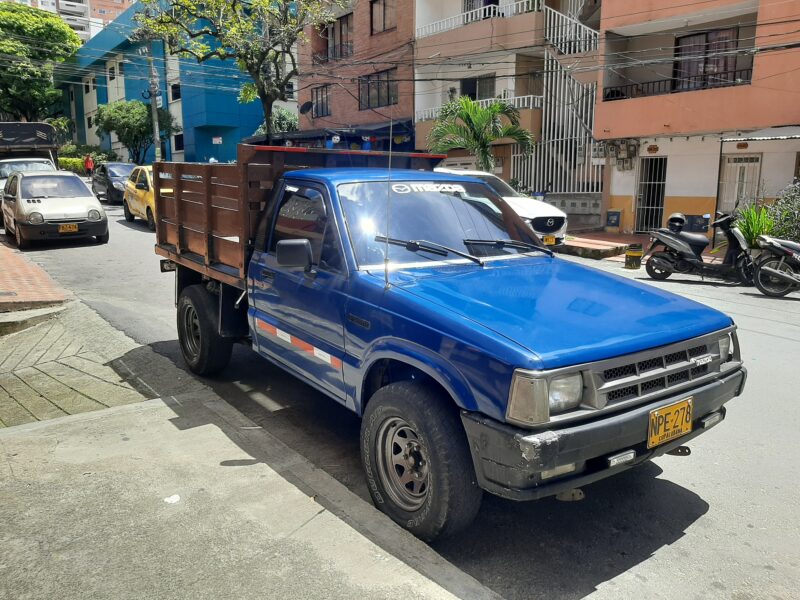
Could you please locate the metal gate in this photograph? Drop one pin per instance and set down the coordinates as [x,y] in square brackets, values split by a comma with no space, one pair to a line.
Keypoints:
[741,174]
[650,193]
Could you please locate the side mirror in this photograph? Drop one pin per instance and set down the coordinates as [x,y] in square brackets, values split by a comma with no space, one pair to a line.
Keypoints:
[294,254]
[142,186]
[9,198]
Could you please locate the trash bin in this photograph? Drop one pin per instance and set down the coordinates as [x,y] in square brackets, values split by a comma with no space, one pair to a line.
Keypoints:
[633,257]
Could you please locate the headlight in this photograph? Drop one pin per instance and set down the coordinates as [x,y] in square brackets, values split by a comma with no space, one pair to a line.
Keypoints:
[725,348]
[118,185]
[94,215]
[35,218]
[565,392]
[533,400]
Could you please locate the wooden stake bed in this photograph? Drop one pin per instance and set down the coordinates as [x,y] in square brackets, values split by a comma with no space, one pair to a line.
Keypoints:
[207,214]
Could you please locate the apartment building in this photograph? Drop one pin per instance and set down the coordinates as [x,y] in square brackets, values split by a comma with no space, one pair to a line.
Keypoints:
[697,105]
[78,14]
[356,88]
[202,98]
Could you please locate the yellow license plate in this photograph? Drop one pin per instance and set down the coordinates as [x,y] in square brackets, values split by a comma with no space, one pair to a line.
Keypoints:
[549,240]
[669,422]
[68,228]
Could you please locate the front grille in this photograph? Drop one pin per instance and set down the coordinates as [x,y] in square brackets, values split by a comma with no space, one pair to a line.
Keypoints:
[547,224]
[63,221]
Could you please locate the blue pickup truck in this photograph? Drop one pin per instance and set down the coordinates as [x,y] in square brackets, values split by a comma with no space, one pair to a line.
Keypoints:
[477,359]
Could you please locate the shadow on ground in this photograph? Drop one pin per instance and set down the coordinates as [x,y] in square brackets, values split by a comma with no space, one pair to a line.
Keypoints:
[544,549]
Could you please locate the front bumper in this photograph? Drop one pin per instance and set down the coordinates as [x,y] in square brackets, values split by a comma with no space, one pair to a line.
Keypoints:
[509,461]
[49,231]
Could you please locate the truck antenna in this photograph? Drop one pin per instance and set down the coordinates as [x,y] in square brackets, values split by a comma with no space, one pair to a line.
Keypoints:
[388,209]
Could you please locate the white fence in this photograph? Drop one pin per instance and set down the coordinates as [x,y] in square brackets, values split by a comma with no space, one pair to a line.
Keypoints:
[568,35]
[520,102]
[484,12]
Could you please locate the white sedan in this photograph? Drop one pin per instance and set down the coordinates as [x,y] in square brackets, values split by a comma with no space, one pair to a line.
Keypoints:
[547,221]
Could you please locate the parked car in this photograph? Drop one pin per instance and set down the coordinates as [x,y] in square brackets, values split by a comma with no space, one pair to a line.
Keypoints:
[9,165]
[549,222]
[138,199]
[108,180]
[43,206]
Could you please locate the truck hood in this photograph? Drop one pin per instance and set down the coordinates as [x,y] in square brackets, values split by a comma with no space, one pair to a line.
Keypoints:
[562,312]
[530,208]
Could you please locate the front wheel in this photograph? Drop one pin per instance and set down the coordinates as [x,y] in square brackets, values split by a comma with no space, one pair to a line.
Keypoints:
[654,271]
[22,243]
[768,284]
[417,461]
[127,211]
[102,239]
[203,348]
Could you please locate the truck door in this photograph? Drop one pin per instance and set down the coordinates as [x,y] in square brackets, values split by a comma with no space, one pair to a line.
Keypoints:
[298,316]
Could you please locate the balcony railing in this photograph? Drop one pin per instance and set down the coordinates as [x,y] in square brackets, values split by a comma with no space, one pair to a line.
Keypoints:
[675,85]
[519,102]
[491,11]
[568,35]
[73,8]
[334,52]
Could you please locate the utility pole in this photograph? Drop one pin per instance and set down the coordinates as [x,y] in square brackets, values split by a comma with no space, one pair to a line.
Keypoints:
[154,102]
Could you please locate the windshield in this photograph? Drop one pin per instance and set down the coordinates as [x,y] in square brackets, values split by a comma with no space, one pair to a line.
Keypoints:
[499,186]
[455,215]
[121,170]
[24,165]
[41,186]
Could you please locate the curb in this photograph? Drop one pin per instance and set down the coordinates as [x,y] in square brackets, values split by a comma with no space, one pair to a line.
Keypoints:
[18,320]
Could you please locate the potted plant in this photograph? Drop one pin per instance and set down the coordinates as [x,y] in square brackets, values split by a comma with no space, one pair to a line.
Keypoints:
[754,221]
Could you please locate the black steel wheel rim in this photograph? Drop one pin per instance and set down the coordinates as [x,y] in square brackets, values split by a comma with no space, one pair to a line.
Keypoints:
[403,464]
[191,330]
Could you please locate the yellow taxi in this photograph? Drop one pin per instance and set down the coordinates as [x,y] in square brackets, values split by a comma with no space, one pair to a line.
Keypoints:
[138,199]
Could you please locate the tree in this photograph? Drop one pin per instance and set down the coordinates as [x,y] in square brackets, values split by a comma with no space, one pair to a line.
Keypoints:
[283,121]
[132,123]
[465,124]
[63,127]
[31,42]
[260,35]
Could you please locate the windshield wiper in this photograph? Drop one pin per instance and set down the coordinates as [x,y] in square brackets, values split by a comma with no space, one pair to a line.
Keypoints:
[509,243]
[426,246]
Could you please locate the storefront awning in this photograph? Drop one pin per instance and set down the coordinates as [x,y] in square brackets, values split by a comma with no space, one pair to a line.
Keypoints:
[768,134]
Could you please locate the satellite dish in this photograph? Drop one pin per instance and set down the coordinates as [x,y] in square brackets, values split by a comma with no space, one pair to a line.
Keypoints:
[306,107]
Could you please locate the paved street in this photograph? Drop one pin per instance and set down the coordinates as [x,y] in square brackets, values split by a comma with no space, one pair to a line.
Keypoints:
[720,523]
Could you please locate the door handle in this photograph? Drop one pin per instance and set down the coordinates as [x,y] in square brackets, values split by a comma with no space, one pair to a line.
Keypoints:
[267,274]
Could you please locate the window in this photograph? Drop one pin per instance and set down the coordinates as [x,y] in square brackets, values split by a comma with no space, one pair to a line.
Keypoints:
[177,142]
[175,91]
[86,88]
[133,176]
[340,42]
[302,215]
[478,88]
[121,68]
[89,122]
[94,83]
[112,73]
[382,15]
[319,98]
[290,90]
[379,89]
[706,59]
[12,186]
[71,95]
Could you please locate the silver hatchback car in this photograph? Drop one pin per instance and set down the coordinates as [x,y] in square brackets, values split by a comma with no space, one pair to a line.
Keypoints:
[46,206]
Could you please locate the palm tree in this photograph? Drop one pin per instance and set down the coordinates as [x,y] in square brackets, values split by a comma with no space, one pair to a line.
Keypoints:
[465,124]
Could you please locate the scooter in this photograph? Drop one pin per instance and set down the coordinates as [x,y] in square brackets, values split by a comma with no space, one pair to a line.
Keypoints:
[683,252]
[778,269]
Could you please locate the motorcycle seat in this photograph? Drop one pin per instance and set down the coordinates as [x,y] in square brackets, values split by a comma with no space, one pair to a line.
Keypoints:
[694,239]
[791,245]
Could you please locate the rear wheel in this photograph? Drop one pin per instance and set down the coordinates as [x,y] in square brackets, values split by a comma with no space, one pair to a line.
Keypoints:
[745,269]
[127,211]
[654,271]
[203,349]
[22,243]
[770,285]
[151,222]
[417,461]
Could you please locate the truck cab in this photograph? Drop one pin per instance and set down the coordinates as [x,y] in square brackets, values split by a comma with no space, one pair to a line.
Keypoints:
[477,359]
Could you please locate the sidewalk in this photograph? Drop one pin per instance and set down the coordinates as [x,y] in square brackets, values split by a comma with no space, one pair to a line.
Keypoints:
[185,498]
[24,285]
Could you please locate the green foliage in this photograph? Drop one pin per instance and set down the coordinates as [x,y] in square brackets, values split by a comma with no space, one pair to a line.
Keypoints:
[31,41]
[754,221]
[259,35]
[63,127]
[132,122]
[283,121]
[71,164]
[81,150]
[464,123]
[786,213]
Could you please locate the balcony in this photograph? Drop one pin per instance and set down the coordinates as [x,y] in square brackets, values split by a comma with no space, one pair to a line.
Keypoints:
[675,85]
[490,11]
[518,102]
[73,8]
[333,52]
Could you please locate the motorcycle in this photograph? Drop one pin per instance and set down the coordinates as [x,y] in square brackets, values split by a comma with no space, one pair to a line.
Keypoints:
[778,269]
[683,252]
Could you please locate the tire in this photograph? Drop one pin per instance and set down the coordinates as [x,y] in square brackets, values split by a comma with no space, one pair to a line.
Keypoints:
[22,243]
[444,496]
[769,286]
[203,349]
[653,271]
[102,239]
[127,211]
[745,270]
[151,222]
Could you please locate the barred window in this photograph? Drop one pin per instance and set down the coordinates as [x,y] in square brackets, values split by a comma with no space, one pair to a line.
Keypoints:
[378,89]
[319,98]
